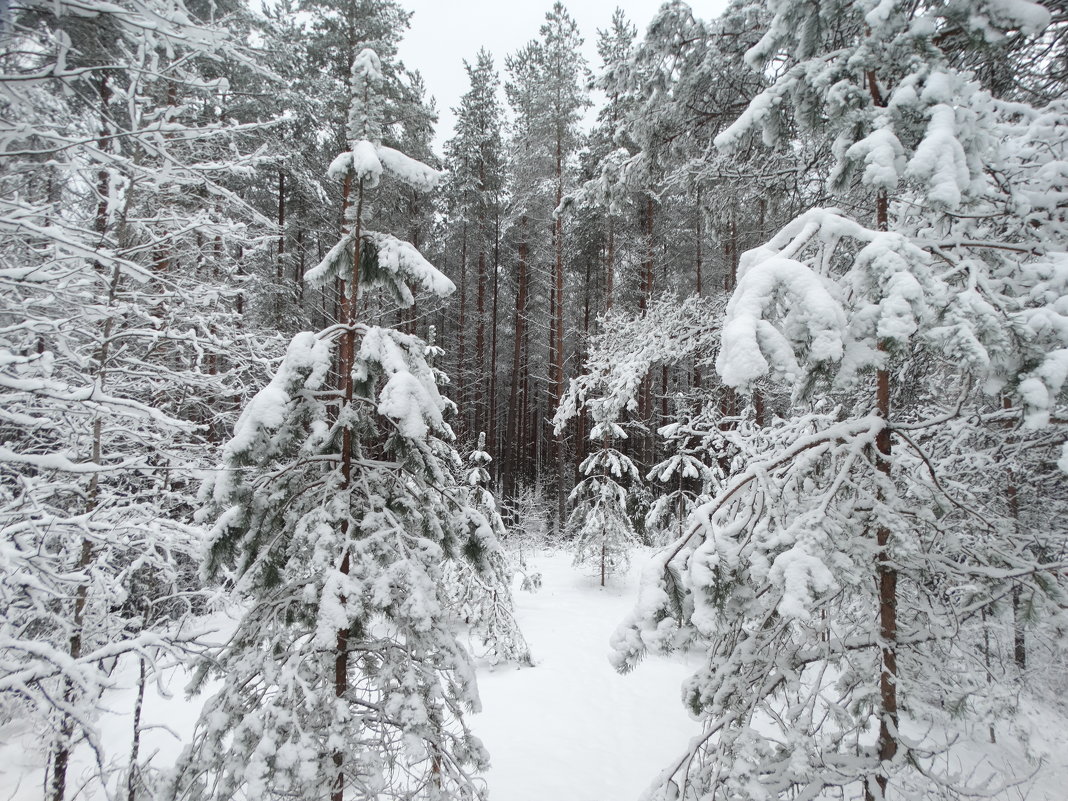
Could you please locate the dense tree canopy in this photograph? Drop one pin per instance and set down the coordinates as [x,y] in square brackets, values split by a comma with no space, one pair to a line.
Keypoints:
[781,295]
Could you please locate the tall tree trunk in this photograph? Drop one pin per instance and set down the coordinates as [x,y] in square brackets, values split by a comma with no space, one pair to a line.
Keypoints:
[514,412]
[1019,638]
[135,747]
[528,436]
[491,436]
[350,297]
[886,576]
[480,344]
[645,401]
[580,420]
[698,264]
[64,739]
[279,273]
[461,336]
[558,372]
[610,266]
[665,374]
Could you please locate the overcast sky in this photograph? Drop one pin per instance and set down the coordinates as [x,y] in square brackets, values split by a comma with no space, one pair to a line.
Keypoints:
[444,32]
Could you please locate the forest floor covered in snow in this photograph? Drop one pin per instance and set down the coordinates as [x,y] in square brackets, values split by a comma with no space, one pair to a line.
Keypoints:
[567,729]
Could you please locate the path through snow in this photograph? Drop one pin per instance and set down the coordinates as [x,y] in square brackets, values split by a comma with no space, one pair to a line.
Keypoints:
[571,728]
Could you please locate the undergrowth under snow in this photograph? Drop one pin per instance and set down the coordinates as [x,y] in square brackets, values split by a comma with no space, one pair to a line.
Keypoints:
[568,729]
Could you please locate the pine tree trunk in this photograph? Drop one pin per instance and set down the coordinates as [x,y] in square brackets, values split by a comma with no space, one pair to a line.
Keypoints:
[528,464]
[280,258]
[645,402]
[514,416]
[610,267]
[698,257]
[491,435]
[698,264]
[350,296]
[299,266]
[1019,639]
[461,336]
[580,420]
[558,372]
[886,575]
[480,344]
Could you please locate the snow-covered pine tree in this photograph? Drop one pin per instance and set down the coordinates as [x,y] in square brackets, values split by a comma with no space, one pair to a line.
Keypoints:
[474,159]
[333,516]
[844,579]
[111,331]
[547,90]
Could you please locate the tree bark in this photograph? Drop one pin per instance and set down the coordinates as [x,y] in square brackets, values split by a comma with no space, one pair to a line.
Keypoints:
[461,336]
[63,743]
[350,296]
[886,575]
[558,373]
[280,258]
[491,435]
[135,748]
[610,267]
[480,344]
[1019,638]
[514,415]
[698,265]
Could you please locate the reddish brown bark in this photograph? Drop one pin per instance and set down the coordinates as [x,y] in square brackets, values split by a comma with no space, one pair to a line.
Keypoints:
[491,434]
[461,332]
[480,344]
[515,426]
[886,575]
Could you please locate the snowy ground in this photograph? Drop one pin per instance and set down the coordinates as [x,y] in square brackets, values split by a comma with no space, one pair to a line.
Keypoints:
[567,729]
[571,728]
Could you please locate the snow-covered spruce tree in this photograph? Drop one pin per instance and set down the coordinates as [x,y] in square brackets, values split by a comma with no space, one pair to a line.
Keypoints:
[843,579]
[478,586]
[333,517]
[604,534]
[621,356]
[690,473]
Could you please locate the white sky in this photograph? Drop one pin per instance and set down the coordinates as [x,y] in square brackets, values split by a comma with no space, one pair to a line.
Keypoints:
[444,32]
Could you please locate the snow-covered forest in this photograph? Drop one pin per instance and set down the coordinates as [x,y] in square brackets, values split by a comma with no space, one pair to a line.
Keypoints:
[735,363]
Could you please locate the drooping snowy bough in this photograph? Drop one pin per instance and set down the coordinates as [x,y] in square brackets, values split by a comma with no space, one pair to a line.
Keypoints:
[850,580]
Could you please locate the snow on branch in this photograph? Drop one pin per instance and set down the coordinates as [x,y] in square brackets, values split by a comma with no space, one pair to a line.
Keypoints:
[366,161]
[386,263]
[336,264]
[411,171]
[305,367]
[1039,388]
[399,264]
[627,349]
[939,162]
[825,290]
[410,395]
[752,349]
[368,65]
